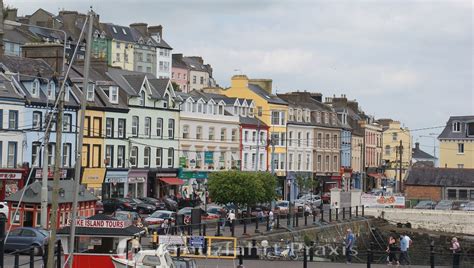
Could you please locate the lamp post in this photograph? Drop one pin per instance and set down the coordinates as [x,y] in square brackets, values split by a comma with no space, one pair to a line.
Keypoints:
[431,136]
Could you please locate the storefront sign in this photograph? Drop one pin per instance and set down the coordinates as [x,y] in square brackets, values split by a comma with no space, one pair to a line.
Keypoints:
[167,175]
[196,241]
[39,173]
[382,201]
[209,157]
[136,180]
[192,175]
[115,179]
[98,223]
[10,176]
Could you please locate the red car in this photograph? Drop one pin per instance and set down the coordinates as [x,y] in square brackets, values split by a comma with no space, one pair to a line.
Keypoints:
[159,216]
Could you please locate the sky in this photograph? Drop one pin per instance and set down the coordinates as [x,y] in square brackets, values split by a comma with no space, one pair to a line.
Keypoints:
[411,61]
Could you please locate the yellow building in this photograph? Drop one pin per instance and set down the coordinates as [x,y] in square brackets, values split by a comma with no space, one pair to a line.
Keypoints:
[121,47]
[392,134]
[456,143]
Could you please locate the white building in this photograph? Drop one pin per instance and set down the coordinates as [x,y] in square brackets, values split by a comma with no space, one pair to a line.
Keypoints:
[163,52]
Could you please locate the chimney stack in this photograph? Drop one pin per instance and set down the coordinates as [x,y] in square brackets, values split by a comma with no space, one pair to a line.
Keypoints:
[141,27]
[266,84]
[156,31]
[417,145]
[12,14]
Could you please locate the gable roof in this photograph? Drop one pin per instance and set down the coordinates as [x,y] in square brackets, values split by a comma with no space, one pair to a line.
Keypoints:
[26,66]
[7,90]
[270,98]
[443,177]
[448,129]
[417,153]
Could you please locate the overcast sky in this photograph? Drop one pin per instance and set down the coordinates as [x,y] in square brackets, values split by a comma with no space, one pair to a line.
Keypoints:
[407,60]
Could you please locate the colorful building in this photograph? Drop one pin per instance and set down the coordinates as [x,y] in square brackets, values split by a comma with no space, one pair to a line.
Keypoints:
[456,143]
[121,45]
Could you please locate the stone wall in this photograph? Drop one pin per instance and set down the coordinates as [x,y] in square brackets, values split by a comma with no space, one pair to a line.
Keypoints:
[459,222]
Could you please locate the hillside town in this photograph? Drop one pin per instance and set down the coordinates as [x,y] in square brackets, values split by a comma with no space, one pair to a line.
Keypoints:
[150,125]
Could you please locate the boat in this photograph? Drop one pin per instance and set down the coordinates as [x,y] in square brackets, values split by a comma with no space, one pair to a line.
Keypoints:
[159,258]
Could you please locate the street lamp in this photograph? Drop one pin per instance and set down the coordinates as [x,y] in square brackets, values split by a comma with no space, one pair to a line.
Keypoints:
[431,135]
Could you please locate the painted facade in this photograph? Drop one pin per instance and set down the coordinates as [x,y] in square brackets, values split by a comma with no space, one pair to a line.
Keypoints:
[121,46]
[392,134]
[456,143]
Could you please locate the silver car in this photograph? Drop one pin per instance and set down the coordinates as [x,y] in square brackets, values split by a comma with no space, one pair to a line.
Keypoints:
[469,206]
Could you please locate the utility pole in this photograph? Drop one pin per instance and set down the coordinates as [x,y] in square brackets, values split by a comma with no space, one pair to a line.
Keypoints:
[57,175]
[44,180]
[400,163]
[80,141]
[272,143]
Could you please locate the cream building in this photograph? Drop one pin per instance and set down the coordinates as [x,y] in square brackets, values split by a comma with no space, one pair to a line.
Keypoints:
[392,135]
[456,143]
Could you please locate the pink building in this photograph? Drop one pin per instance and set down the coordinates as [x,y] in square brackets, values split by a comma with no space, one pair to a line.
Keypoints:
[180,73]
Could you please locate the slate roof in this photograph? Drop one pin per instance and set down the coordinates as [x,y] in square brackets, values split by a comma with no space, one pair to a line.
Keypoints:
[7,90]
[26,66]
[443,177]
[252,121]
[417,153]
[177,61]
[448,129]
[33,193]
[271,98]
[123,33]
[194,64]
[132,81]
[130,230]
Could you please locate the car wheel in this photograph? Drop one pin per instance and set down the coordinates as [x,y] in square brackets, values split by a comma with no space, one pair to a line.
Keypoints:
[37,250]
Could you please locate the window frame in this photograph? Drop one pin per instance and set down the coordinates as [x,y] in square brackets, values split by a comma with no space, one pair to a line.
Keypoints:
[38,117]
[135,126]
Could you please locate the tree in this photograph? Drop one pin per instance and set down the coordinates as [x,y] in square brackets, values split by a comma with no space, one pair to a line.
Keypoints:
[241,188]
[176,86]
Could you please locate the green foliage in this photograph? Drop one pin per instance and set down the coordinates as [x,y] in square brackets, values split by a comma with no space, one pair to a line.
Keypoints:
[306,184]
[176,87]
[241,188]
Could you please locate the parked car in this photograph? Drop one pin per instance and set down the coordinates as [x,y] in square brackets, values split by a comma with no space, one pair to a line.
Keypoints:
[131,217]
[282,207]
[99,207]
[205,216]
[459,205]
[425,204]
[314,201]
[170,203]
[445,205]
[4,209]
[214,209]
[159,217]
[469,206]
[26,237]
[160,205]
[142,207]
[113,204]
[326,198]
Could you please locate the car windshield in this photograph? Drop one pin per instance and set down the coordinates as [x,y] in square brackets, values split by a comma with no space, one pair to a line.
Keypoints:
[160,214]
[282,204]
[184,211]
[43,232]
[136,200]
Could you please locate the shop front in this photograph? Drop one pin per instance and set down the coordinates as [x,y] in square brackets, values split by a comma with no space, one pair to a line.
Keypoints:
[64,174]
[93,179]
[136,183]
[114,183]
[12,180]
[194,185]
[298,182]
[167,183]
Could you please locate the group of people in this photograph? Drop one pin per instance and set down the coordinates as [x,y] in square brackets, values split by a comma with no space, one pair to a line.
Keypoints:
[399,246]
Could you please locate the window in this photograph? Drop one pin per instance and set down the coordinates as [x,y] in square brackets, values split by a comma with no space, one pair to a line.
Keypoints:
[328,160]
[90,92]
[202,80]
[67,154]
[387,150]
[318,117]
[51,90]
[148,126]
[462,194]
[96,155]
[262,138]
[170,156]
[326,118]
[327,141]
[159,127]
[117,57]
[221,109]
[87,126]
[199,132]
[109,154]
[254,136]
[67,123]
[452,194]
[121,128]
[460,148]
[185,132]
[278,118]
[319,163]
[282,161]
[259,111]
[1,119]
[334,163]
[171,129]
[113,94]
[460,165]
[146,157]
[211,133]
[37,120]
[134,156]
[13,119]
[159,155]
[299,139]
[121,156]
[290,161]
[125,57]
[109,127]
[334,141]
[135,126]
[35,154]
[246,136]
[456,126]
[97,127]
[308,162]
[194,79]
[223,134]
[262,162]
[141,100]
[299,162]
[290,138]
[307,138]
[35,88]
[11,155]
[394,136]
[254,159]
[320,136]
[234,134]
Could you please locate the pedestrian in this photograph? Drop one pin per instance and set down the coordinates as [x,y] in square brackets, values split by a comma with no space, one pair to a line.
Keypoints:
[260,215]
[392,250]
[271,218]
[456,249]
[350,239]
[307,210]
[404,245]
[231,218]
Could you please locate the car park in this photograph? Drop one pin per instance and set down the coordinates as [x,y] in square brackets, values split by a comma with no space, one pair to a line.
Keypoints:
[23,238]
[445,205]
[425,204]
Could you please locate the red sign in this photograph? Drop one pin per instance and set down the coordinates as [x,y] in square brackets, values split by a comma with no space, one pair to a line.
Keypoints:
[39,173]
[10,176]
[98,223]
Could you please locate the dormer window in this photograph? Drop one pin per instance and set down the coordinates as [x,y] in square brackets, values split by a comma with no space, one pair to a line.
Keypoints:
[243,112]
[113,94]
[113,29]
[298,115]
[141,101]
[251,111]
[35,88]
[210,108]
[67,92]
[200,107]
[189,106]
[221,109]
[51,90]
[124,32]
[456,126]
[90,92]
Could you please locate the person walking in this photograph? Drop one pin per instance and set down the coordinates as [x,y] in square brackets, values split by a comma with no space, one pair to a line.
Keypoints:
[392,250]
[231,218]
[404,245]
[456,249]
[350,239]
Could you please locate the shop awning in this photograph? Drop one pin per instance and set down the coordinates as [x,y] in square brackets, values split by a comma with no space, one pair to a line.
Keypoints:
[378,176]
[93,176]
[172,181]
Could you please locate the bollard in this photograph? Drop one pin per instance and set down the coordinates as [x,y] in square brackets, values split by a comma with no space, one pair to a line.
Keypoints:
[241,258]
[190,229]
[204,227]
[432,257]
[311,252]
[288,220]
[337,214]
[350,212]
[363,212]
[253,250]
[268,223]
[330,215]
[2,238]
[305,219]
[58,255]
[178,252]
[245,227]
[357,211]
[218,229]
[200,230]
[322,215]
[278,221]
[305,258]
[314,216]
[16,263]
[154,240]
[343,213]
[32,257]
[297,218]
[370,254]
[232,228]
[256,226]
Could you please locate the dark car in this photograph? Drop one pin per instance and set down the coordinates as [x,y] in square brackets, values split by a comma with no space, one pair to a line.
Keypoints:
[113,204]
[160,205]
[170,203]
[159,216]
[142,207]
[26,237]
[425,204]
[445,205]
[99,207]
